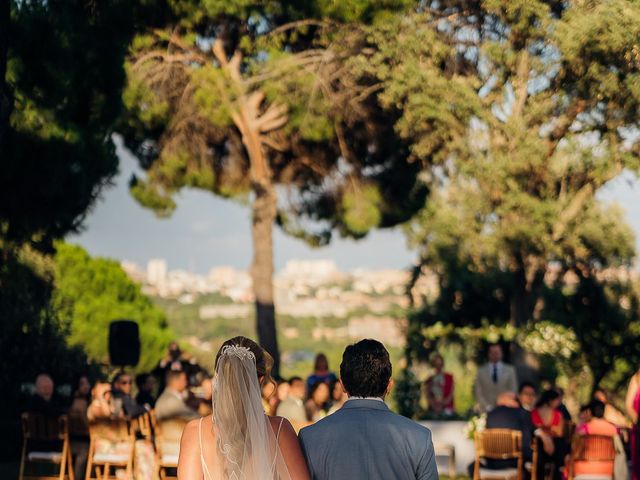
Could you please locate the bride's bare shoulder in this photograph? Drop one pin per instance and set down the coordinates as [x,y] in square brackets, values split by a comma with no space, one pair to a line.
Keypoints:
[192,429]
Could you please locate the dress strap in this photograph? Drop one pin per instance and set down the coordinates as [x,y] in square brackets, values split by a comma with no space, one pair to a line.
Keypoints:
[279,428]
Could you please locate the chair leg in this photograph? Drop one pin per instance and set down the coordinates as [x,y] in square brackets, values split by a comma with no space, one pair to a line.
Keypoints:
[72,473]
[23,459]
[63,462]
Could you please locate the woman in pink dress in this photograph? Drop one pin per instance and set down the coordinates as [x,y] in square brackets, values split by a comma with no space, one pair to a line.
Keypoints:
[632,404]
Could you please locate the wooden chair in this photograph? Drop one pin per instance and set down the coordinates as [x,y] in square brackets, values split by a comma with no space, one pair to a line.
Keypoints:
[498,444]
[168,435]
[45,441]
[591,448]
[111,445]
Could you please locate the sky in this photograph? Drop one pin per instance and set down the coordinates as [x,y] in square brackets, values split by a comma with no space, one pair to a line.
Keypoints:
[206,231]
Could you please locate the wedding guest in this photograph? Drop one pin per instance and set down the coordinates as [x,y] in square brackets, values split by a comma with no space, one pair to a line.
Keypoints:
[102,405]
[42,401]
[316,404]
[176,360]
[611,413]
[547,418]
[596,426]
[338,397]
[527,396]
[200,400]
[509,414]
[585,415]
[632,404]
[79,425]
[494,377]
[321,372]
[121,394]
[171,404]
[145,383]
[292,407]
[282,392]
[439,388]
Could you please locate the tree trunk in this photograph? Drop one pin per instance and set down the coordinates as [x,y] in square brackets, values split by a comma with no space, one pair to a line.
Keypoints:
[264,215]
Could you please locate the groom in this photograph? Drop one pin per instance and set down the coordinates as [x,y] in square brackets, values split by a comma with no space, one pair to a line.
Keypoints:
[364,439]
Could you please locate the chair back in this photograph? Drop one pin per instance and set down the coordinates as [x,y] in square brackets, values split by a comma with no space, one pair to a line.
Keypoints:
[112,429]
[168,435]
[499,443]
[39,427]
[593,448]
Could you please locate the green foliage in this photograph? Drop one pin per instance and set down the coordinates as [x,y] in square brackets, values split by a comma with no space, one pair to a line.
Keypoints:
[407,393]
[91,292]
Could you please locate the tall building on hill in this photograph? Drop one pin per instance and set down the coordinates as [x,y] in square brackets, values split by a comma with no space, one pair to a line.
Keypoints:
[157,271]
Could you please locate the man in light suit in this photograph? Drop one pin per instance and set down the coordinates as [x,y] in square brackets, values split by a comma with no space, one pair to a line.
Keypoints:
[494,378]
[364,439]
[171,404]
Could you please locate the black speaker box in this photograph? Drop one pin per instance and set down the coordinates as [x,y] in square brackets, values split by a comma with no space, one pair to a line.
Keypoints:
[124,343]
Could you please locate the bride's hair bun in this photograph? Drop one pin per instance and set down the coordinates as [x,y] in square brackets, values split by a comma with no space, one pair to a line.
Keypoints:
[264,361]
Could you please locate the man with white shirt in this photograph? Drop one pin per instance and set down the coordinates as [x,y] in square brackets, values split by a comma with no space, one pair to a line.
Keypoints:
[364,440]
[171,404]
[292,407]
[494,378]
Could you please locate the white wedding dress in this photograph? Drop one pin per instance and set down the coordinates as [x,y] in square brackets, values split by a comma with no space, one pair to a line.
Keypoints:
[246,445]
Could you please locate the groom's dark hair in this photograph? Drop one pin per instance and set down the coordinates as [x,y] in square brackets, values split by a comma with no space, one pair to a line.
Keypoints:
[365,369]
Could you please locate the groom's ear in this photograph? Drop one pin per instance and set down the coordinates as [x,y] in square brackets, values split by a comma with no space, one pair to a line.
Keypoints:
[343,387]
[389,387]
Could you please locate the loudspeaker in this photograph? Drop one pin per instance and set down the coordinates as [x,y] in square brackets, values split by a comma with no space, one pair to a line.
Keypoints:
[124,343]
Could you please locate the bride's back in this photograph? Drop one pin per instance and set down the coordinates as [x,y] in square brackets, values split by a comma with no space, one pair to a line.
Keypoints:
[239,440]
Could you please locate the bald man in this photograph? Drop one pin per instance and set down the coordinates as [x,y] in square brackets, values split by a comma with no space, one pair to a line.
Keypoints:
[42,400]
[509,414]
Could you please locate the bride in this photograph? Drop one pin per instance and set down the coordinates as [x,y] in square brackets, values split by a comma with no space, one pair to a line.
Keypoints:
[239,441]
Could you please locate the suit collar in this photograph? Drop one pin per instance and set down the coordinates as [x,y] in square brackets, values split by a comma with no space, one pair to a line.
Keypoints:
[364,403]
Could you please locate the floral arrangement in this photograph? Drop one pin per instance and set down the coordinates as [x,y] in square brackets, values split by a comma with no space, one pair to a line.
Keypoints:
[475,424]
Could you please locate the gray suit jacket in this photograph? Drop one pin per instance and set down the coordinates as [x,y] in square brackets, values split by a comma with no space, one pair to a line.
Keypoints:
[170,405]
[365,440]
[487,391]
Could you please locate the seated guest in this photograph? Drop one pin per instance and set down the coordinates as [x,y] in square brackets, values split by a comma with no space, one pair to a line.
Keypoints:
[321,372]
[439,388]
[292,407]
[338,397]
[527,396]
[200,398]
[596,426]
[102,406]
[121,394]
[316,404]
[546,415]
[42,401]
[585,415]
[171,404]
[145,383]
[549,424]
[509,414]
[611,413]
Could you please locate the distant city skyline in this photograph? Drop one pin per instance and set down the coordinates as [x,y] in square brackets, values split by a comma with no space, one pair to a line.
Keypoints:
[206,231]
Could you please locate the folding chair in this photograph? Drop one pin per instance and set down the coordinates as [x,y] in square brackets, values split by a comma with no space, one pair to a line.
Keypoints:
[111,446]
[591,448]
[168,435]
[45,441]
[498,444]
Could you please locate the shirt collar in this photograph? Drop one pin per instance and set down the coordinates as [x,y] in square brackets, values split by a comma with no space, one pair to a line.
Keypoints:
[365,398]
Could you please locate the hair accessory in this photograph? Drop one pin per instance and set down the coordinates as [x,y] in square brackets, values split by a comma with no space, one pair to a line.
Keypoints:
[237,351]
